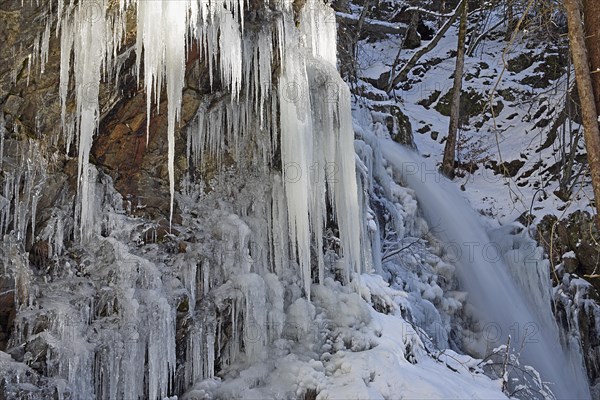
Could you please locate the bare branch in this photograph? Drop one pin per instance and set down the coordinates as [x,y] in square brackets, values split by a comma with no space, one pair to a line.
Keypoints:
[388,83]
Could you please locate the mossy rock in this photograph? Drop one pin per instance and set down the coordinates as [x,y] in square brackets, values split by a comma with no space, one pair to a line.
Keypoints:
[430,100]
[578,233]
[508,169]
[521,62]
[507,94]
[470,76]
[184,306]
[472,104]
[424,129]
[537,81]
[551,66]
[401,128]
[397,123]
[554,66]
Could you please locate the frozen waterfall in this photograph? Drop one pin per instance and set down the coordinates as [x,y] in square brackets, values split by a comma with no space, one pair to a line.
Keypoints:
[314,126]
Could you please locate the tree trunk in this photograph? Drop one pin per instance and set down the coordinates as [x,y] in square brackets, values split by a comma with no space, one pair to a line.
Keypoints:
[510,23]
[586,96]
[591,22]
[450,148]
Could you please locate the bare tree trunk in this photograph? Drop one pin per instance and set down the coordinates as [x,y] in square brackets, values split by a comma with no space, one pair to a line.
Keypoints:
[591,22]
[450,148]
[586,96]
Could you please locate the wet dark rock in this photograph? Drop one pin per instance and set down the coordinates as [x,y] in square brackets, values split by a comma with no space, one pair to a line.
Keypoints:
[7,308]
[412,39]
[577,233]
[570,263]
[13,105]
[579,300]
[39,255]
[37,353]
[397,123]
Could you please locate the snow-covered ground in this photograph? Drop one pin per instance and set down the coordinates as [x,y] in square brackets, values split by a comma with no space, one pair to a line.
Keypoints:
[517,132]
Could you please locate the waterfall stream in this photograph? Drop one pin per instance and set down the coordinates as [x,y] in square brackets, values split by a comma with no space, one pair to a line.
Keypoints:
[505,275]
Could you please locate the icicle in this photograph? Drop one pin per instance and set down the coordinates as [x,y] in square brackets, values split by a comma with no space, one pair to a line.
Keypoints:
[296,152]
[346,190]
[89,49]
[33,56]
[29,61]
[2,133]
[66,44]
[276,316]
[319,25]
[254,314]
[230,54]
[209,371]
[162,28]
[45,42]
[175,74]
[22,274]
[161,350]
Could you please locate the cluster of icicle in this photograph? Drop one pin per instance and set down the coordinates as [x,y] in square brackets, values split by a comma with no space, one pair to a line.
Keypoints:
[307,110]
[24,177]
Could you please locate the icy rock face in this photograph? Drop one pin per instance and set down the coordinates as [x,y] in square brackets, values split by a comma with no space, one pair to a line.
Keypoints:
[578,313]
[230,272]
[312,140]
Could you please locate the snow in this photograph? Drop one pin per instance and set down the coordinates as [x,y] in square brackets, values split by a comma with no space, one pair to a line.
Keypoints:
[569,254]
[385,358]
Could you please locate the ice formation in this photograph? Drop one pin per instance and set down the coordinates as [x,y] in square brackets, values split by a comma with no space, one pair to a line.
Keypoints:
[314,126]
[23,182]
[303,111]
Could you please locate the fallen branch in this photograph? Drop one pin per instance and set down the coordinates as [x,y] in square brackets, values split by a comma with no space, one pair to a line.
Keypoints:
[370,25]
[429,12]
[392,253]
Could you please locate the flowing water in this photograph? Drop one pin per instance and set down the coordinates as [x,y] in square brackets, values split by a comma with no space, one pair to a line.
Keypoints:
[505,275]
